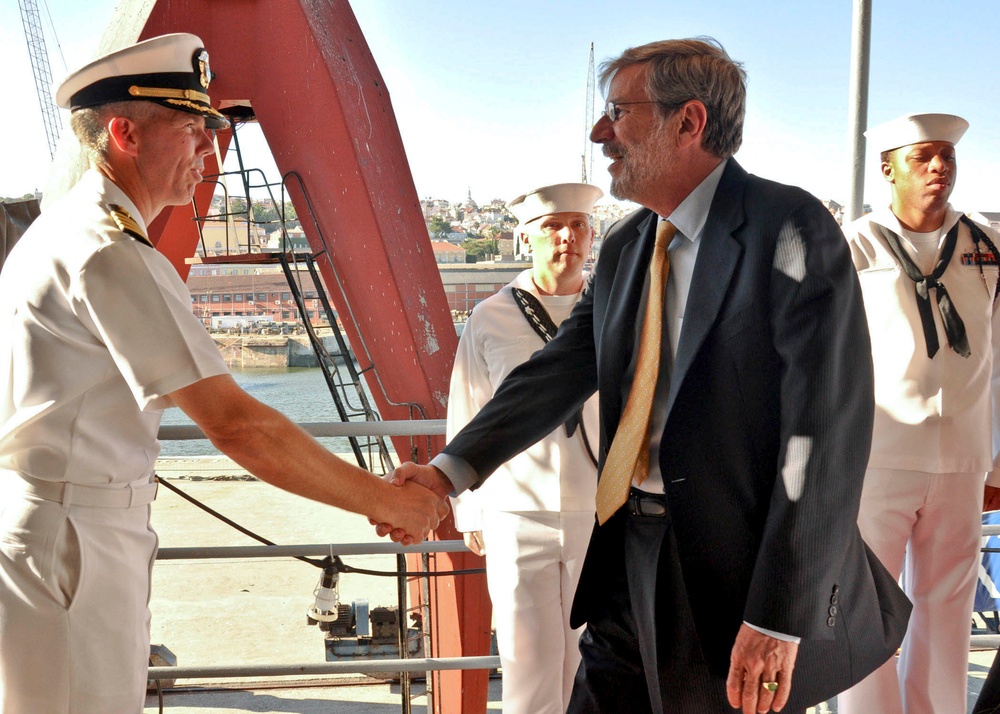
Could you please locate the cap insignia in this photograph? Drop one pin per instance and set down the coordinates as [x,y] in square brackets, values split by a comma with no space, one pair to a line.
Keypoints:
[201,66]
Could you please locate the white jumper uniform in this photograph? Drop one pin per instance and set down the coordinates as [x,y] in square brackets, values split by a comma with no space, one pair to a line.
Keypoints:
[96,329]
[536,511]
[933,442]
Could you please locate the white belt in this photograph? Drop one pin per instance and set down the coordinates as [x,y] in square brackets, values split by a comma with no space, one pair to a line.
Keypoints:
[75,494]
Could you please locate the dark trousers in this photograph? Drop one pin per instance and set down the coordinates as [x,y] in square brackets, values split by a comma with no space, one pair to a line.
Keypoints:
[641,652]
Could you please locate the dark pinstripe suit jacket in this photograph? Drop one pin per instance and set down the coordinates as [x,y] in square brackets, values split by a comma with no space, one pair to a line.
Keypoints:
[767,433]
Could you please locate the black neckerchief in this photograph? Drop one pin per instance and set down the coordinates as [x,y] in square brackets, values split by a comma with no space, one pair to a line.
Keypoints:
[954,328]
[538,317]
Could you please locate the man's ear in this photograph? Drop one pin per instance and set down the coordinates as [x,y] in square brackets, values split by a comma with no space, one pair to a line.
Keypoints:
[122,135]
[887,171]
[693,118]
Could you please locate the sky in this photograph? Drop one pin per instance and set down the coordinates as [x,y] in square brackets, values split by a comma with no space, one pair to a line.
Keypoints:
[491,97]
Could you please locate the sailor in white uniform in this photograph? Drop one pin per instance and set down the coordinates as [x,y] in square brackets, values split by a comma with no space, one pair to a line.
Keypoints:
[929,278]
[534,517]
[97,337]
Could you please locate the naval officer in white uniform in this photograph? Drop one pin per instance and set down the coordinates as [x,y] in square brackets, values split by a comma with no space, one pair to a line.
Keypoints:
[97,337]
[929,278]
[534,517]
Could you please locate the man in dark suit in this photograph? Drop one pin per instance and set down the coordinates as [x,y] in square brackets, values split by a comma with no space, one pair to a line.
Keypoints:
[732,557]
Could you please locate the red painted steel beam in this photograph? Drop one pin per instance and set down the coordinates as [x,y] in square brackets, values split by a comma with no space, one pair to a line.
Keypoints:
[305,69]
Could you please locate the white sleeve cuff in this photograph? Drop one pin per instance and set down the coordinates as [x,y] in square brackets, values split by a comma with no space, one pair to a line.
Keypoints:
[458,471]
[776,635]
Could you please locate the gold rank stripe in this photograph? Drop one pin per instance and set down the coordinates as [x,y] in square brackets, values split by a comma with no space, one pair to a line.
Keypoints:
[127,224]
[168,93]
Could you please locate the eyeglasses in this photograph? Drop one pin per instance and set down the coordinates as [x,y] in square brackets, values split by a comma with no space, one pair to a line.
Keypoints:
[611,108]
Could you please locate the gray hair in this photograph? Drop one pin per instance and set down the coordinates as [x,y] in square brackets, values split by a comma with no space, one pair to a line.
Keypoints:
[697,68]
[90,125]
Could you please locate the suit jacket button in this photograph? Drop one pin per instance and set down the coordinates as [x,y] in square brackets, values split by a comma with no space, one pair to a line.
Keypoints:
[836,589]
[831,621]
[834,599]
[833,610]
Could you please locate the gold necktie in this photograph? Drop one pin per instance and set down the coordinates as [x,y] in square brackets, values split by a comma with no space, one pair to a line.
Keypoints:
[628,457]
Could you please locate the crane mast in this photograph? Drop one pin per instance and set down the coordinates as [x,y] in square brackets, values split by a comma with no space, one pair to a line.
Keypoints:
[588,123]
[40,68]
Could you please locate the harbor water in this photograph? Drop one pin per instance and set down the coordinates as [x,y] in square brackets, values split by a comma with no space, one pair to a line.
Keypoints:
[301,394]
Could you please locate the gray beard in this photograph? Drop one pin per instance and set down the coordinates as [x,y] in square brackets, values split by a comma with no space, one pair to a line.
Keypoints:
[618,191]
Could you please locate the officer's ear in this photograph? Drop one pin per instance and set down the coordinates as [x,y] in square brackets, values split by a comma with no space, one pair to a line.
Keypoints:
[123,136]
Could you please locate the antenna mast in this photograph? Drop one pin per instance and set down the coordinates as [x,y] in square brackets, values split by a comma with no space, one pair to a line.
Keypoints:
[588,123]
[40,68]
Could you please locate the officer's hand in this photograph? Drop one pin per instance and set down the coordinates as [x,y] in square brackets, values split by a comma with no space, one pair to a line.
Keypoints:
[474,542]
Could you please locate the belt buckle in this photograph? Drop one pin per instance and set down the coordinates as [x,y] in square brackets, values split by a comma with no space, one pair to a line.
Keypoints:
[142,494]
[646,505]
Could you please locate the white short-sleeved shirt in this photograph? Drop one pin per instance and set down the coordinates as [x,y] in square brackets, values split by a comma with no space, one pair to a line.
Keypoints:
[933,415]
[555,474]
[96,329]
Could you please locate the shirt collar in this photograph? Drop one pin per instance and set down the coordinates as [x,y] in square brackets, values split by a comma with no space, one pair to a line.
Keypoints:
[110,192]
[885,217]
[691,215]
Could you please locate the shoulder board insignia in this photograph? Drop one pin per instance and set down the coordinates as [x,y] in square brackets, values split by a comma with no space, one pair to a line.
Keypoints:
[127,224]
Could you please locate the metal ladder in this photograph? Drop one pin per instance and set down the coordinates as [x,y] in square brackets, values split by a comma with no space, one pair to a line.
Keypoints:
[343,378]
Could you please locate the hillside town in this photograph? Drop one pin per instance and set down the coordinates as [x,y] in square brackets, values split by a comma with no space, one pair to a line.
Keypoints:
[473,246]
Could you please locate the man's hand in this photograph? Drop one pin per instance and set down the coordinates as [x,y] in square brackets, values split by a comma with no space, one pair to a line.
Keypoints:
[413,510]
[428,476]
[757,659]
[991,499]
[409,475]
[474,542]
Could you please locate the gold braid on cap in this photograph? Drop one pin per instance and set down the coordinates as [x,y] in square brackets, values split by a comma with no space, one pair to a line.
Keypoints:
[197,107]
[165,93]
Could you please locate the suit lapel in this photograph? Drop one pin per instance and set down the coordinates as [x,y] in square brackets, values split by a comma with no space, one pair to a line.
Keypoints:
[618,333]
[718,256]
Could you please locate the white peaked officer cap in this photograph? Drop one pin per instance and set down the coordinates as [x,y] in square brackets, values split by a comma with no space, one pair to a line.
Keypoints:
[558,198]
[915,129]
[171,70]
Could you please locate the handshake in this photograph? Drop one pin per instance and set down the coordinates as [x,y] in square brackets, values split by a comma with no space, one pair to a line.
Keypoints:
[417,499]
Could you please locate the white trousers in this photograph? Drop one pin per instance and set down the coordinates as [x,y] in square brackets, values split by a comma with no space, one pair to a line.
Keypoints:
[934,522]
[533,562]
[74,607]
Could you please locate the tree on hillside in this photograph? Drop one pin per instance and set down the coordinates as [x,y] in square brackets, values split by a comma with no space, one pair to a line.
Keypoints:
[237,207]
[439,228]
[267,212]
[482,248]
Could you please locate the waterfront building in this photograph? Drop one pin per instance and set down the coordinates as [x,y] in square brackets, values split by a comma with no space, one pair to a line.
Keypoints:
[469,284]
[445,252]
[234,301]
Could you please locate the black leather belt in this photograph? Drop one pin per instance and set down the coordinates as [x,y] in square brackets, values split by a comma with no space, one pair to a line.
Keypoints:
[644,503]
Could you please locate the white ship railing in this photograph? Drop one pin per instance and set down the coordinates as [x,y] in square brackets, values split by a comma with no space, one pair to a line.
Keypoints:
[403,666]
